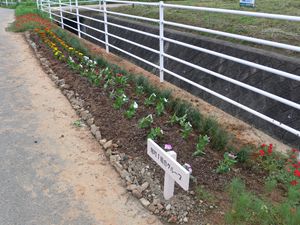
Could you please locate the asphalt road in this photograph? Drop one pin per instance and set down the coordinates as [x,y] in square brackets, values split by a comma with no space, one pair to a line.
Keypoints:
[50,171]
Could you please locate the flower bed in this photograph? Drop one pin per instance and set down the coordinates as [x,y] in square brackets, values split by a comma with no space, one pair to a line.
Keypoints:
[128,110]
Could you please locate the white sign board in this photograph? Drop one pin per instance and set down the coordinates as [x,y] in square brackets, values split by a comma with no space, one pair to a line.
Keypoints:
[173,170]
[248,3]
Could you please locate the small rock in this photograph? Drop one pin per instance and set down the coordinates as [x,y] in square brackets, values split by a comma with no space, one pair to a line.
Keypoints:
[168,207]
[65,86]
[108,152]
[152,207]
[124,173]
[137,194]
[103,141]
[160,206]
[94,129]
[144,202]
[107,144]
[151,220]
[211,206]
[156,201]
[115,145]
[90,121]
[132,187]
[172,219]
[185,219]
[98,135]
[144,186]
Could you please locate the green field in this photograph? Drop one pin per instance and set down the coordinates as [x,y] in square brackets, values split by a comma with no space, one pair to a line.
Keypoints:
[276,30]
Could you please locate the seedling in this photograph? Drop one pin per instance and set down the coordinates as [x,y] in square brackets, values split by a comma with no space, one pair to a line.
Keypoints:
[187,129]
[146,121]
[151,100]
[175,119]
[77,123]
[226,164]
[120,101]
[160,106]
[131,111]
[155,133]
[202,142]
[139,90]
[121,79]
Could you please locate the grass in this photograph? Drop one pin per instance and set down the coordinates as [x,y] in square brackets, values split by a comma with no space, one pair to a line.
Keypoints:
[275,30]
[248,208]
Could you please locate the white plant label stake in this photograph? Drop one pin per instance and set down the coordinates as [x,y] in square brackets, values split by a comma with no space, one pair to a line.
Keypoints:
[174,172]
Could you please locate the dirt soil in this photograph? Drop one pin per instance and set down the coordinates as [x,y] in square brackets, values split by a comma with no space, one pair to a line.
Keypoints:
[131,139]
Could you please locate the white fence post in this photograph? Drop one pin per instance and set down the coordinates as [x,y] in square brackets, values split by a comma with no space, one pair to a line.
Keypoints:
[49,10]
[169,182]
[161,41]
[37,4]
[6,2]
[105,26]
[77,18]
[61,15]
[70,3]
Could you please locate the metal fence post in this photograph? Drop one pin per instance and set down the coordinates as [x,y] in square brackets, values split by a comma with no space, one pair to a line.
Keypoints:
[70,3]
[105,26]
[161,41]
[49,10]
[77,18]
[61,15]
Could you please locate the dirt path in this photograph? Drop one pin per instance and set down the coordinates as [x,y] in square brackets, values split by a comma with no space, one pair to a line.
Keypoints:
[50,171]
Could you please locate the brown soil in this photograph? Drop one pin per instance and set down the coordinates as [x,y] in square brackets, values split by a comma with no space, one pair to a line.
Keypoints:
[132,140]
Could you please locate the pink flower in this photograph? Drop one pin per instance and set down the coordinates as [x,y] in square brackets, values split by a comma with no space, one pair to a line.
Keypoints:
[168,147]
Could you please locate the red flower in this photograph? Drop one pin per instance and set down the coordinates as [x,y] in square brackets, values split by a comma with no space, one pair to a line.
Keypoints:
[296,166]
[263,145]
[294,182]
[288,169]
[261,152]
[297,173]
[293,156]
[119,75]
[294,150]
[270,149]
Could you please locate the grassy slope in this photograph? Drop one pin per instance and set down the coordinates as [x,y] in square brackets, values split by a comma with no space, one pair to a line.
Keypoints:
[276,30]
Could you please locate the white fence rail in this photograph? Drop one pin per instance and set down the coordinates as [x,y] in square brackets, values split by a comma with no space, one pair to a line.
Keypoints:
[58,9]
[8,2]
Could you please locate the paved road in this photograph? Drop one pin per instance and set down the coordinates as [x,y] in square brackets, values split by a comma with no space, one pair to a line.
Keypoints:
[50,171]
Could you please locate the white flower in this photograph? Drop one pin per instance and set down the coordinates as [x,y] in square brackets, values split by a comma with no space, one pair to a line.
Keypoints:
[86,58]
[165,100]
[95,63]
[80,66]
[135,105]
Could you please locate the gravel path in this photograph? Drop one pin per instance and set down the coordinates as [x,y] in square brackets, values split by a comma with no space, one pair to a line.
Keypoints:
[50,171]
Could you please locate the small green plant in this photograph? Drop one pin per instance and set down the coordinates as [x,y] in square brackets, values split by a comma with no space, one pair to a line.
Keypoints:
[160,106]
[176,119]
[120,101]
[150,100]
[202,142]
[226,164]
[155,133]
[77,123]
[146,121]
[121,79]
[186,130]
[131,111]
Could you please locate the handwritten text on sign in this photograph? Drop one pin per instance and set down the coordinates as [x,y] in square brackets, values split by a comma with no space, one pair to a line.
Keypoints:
[169,165]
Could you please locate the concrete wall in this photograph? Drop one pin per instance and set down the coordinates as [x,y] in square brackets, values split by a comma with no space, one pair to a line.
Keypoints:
[269,82]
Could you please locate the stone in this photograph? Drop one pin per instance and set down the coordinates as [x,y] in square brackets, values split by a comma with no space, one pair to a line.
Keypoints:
[108,152]
[152,207]
[115,145]
[144,202]
[94,129]
[102,141]
[84,115]
[185,219]
[151,220]
[98,135]
[124,173]
[168,207]
[108,144]
[160,206]
[132,187]
[90,121]
[156,201]
[137,194]
[172,219]
[144,186]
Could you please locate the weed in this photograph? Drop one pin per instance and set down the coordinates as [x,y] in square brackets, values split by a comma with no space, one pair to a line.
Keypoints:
[160,106]
[186,129]
[77,123]
[203,194]
[150,100]
[120,101]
